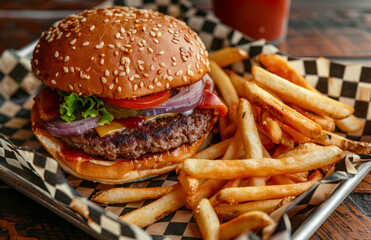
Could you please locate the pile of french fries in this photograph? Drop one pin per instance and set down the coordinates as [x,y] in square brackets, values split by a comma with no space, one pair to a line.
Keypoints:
[278,140]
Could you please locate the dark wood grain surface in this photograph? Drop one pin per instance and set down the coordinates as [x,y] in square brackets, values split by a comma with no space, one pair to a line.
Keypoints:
[340,30]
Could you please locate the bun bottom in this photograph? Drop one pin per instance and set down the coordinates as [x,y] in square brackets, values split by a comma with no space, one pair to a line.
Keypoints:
[104,171]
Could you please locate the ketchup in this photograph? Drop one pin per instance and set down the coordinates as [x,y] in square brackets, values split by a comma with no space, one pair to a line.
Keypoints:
[256,18]
[131,122]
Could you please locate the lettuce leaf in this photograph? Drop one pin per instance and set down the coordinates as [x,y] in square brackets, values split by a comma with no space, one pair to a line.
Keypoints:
[75,106]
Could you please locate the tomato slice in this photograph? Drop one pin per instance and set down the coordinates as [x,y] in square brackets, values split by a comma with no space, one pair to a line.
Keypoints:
[141,102]
[210,100]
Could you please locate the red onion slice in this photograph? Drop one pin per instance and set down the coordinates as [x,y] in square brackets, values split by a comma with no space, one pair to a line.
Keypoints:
[74,128]
[187,98]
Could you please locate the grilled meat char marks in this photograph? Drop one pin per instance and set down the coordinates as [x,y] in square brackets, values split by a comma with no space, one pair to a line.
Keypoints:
[152,137]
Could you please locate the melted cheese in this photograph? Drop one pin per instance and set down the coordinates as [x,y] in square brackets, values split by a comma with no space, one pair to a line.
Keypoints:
[116,126]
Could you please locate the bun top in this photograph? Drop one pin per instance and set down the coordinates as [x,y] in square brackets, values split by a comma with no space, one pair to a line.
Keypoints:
[119,52]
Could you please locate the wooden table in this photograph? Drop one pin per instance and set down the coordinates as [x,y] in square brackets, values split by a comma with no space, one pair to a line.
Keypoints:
[340,31]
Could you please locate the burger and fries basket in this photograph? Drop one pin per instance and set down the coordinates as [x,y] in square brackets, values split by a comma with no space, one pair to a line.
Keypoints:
[25,166]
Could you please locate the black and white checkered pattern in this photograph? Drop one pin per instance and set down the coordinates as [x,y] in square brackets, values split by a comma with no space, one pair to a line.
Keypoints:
[349,84]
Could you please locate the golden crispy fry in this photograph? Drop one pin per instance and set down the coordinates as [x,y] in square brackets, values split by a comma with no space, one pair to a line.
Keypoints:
[278,65]
[226,127]
[214,151]
[237,82]
[281,111]
[349,124]
[250,136]
[300,96]
[224,84]
[124,195]
[207,220]
[329,138]
[234,147]
[280,150]
[246,222]
[299,150]
[205,190]
[287,141]
[271,127]
[325,122]
[158,209]
[298,177]
[281,180]
[231,183]
[295,135]
[229,211]
[261,167]
[189,183]
[244,194]
[227,56]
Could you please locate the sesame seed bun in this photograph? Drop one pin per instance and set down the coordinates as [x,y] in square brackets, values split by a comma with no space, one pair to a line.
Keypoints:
[119,52]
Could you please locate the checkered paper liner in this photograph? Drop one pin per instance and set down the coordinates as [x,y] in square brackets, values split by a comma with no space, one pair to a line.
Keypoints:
[19,149]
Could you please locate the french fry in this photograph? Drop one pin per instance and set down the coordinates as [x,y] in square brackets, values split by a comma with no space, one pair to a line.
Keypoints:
[281,180]
[227,56]
[229,211]
[287,141]
[244,194]
[205,190]
[214,151]
[300,96]
[295,135]
[246,222]
[226,127]
[298,177]
[124,195]
[261,167]
[281,111]
[278,65]
[234,147]
[156,210]
[231,183]
[329,138]
[189,183]
[349,124]
[271,127]
[325,122]
[280,150]
[207,220]
[224,84]
[299,150]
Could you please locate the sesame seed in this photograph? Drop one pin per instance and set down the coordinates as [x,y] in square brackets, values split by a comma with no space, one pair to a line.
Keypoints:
[51,39]
[159,71]
[66,58]
[118,45]
[152,67]
[174,63]
[167,85]
[106,73]
[56,54]
[111,45]
[116,80]
[173,58]
[122,74]
[36,62]
[104,80]
[146,75]
[68,34]
[190,73]
[53,82]
[153,34]
[83,20]
[141,84]
[131,78]
[151,87]
[132,39]
[159,25]
[65,69]
[158,84]
[159,34]
[70,86]
[155,40]
[161,53]
[150,50]
[106,20]
[101,61]
[197,65]
[122,30]
[77,68]
[117,35]
[162,64]
[140,62]
[73,47]
[100,45]
[110,86]
[57,74]
[184,78]
[85,43]
[141,49]
[170,78]
[116,53]
[135,87]
[184,58]
[165,76]
[136,76]
[141,67]
[119,89]
[115,72]
[127,70]
[37,51]
[72,69]
[73,41]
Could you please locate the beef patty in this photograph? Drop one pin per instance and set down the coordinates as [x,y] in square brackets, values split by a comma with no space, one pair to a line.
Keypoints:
[152,137]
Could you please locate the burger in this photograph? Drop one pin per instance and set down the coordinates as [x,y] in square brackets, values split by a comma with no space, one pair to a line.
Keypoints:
[127,94]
